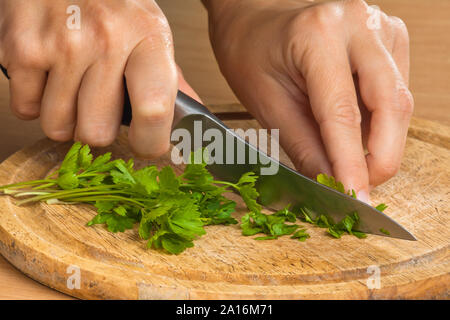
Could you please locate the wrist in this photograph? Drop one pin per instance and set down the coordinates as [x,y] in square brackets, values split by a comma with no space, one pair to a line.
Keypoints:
[216,8]
[227,11]
[225,15]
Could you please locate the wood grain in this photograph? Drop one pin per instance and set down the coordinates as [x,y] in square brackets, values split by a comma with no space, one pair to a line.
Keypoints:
[44,240]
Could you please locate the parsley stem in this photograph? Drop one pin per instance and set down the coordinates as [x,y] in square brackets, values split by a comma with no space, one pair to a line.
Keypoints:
[25,184]
[106,198]
[30,193]
[52,174]
[233,185]
[63,195]
[45,185]
[87,174]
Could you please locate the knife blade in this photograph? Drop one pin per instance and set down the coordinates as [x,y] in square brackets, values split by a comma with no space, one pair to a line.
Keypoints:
[285,187]
[276,191]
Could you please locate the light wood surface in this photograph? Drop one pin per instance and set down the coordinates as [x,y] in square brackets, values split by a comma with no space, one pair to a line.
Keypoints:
[44,241]
[429,28]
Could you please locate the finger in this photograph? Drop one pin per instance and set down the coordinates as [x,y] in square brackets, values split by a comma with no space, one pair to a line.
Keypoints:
[26,88]
[334,104]
[387,98]
[400,51]
[58,111]
[299,134]
[100,103]
[152,84]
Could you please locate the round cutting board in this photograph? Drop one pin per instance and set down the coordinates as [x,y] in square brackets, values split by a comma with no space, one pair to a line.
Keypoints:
[52,244]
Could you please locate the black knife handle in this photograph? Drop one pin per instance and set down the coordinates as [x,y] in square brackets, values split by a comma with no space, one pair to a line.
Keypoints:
[4,71]
[127,112]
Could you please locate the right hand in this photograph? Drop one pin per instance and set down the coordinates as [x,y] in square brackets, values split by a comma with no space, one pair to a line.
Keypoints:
[73,79]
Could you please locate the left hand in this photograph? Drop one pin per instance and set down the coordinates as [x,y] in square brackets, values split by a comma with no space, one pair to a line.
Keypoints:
[321,74]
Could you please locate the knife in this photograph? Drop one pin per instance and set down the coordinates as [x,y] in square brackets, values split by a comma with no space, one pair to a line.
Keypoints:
[276,191]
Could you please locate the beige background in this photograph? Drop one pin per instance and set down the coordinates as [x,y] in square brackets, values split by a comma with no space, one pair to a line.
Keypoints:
[429,26]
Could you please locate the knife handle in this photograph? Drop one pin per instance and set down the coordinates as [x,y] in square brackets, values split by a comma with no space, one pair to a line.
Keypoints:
[4,71]
[184,105]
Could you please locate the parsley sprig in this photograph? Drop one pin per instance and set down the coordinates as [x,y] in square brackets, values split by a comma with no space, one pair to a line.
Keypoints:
[171,210]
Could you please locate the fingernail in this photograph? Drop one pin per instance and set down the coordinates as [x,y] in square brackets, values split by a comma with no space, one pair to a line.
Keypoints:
[363,196]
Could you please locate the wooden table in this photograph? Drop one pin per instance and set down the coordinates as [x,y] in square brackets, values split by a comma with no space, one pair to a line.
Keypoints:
[429,28]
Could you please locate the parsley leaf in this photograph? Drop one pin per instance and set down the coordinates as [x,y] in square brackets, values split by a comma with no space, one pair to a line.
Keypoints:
[301,235]
[114,221]
[70,162]
[273,225]
[168,181]
[381,207]
[329,181]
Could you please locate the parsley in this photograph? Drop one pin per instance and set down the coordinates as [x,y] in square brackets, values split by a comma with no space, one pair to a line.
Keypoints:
[349,222]
[300,235]
[272,225]
[170,211]
[336,230]
[329,181]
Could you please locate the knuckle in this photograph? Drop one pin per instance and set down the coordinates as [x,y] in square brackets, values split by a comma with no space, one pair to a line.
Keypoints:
[106,27]
[386,169]
[25,51]
[155,152]
[151,16]
[400,25]
[57,135]
[97,136]
[405,103]
[69,45]
[150,21]
[314,25]
[154,114]
[157,33]
[25,111]
[155,21]
[321,18]
[344,113]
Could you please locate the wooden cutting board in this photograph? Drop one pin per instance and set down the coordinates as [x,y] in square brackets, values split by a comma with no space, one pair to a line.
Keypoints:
[53,245]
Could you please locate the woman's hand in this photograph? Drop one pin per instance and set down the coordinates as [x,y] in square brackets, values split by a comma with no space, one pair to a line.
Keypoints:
[72,75]
[328,76]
